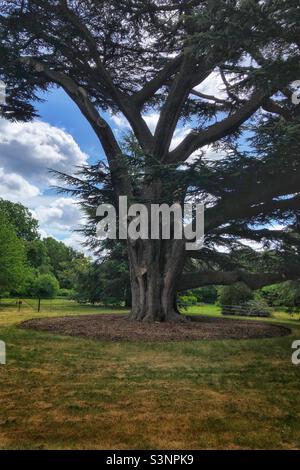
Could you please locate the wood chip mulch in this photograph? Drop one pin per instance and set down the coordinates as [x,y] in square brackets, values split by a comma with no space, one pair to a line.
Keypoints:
[118,328]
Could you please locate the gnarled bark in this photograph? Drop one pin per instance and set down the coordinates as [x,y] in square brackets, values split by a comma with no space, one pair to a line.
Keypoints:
[155,266]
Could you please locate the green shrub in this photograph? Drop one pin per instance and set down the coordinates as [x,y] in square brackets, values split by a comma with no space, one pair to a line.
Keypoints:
[236,294]
[205,295]
[256,308]
[286,294]
[185,301]
[270,294]
[66,293]
[45,286]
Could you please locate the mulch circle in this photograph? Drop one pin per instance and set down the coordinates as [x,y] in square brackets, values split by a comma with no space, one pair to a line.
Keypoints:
[118,328]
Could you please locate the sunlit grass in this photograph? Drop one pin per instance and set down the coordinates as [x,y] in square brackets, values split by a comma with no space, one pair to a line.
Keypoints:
[60,392]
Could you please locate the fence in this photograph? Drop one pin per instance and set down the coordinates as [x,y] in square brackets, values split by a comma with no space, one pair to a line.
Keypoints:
[243,311]
[46,305]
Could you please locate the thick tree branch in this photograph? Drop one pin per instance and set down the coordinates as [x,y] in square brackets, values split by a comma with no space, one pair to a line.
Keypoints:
[100,126]
[209,97]
[233,210]
[197,139]
[123,101]
[149,90]
[253,280]
[272,107]
[171,110]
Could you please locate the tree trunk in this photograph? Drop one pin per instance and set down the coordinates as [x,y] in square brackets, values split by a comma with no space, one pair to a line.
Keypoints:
[155,266]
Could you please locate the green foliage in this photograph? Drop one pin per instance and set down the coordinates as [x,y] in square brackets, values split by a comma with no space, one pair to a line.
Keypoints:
[20,242]
[185,301]
[12,256]
[66,293]
[256,308]
[37,255]
[25,226]
[107,283]
[270,294]
[45,286]
[88,287]
[236,294]
[52,256]
[25,288]
[59,256]
[286,294]
[206,295]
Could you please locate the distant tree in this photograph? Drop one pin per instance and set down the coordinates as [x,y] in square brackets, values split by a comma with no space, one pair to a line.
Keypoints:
[102,283]
[286,294]
[60,260]
[26,287]
[25,226]
[89,285]
[70,271]
[45,286]
[12,257]
[207,295]
[37,255]
[107,280]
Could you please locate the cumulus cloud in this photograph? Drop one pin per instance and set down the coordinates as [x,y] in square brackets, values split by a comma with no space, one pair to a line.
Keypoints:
[58,216]
[31,149]
[76,241]
[178,137]
[27,151]
[120,121]
[15,188]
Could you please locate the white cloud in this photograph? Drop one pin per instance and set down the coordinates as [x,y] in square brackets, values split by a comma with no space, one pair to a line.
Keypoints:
[27,151]
[15,188]
[120,121]
[178,136]
[75,241]
[31,149]
[213,85]
[58,216]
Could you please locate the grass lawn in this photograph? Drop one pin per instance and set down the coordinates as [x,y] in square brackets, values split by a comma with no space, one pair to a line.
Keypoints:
[61,392]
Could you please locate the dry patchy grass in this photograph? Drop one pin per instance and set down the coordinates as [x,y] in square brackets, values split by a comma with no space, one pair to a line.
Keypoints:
[70,393]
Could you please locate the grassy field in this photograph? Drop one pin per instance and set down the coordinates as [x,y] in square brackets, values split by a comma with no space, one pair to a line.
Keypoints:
[59,392]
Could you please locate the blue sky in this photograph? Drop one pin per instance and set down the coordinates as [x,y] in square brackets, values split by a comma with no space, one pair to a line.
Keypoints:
[60,111]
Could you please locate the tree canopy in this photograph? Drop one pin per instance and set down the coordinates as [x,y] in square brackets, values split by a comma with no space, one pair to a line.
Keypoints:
[12,257]
[25,225]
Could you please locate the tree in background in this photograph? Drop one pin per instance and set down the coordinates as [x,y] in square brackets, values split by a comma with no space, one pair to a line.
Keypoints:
[136,56]
[105,282]
[37,255]
[12,257]
[43,256]
[286,294]
[45,286]
[25,226]
[206,295]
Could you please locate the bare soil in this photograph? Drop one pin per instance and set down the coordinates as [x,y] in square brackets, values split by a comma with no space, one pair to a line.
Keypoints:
[118,328]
